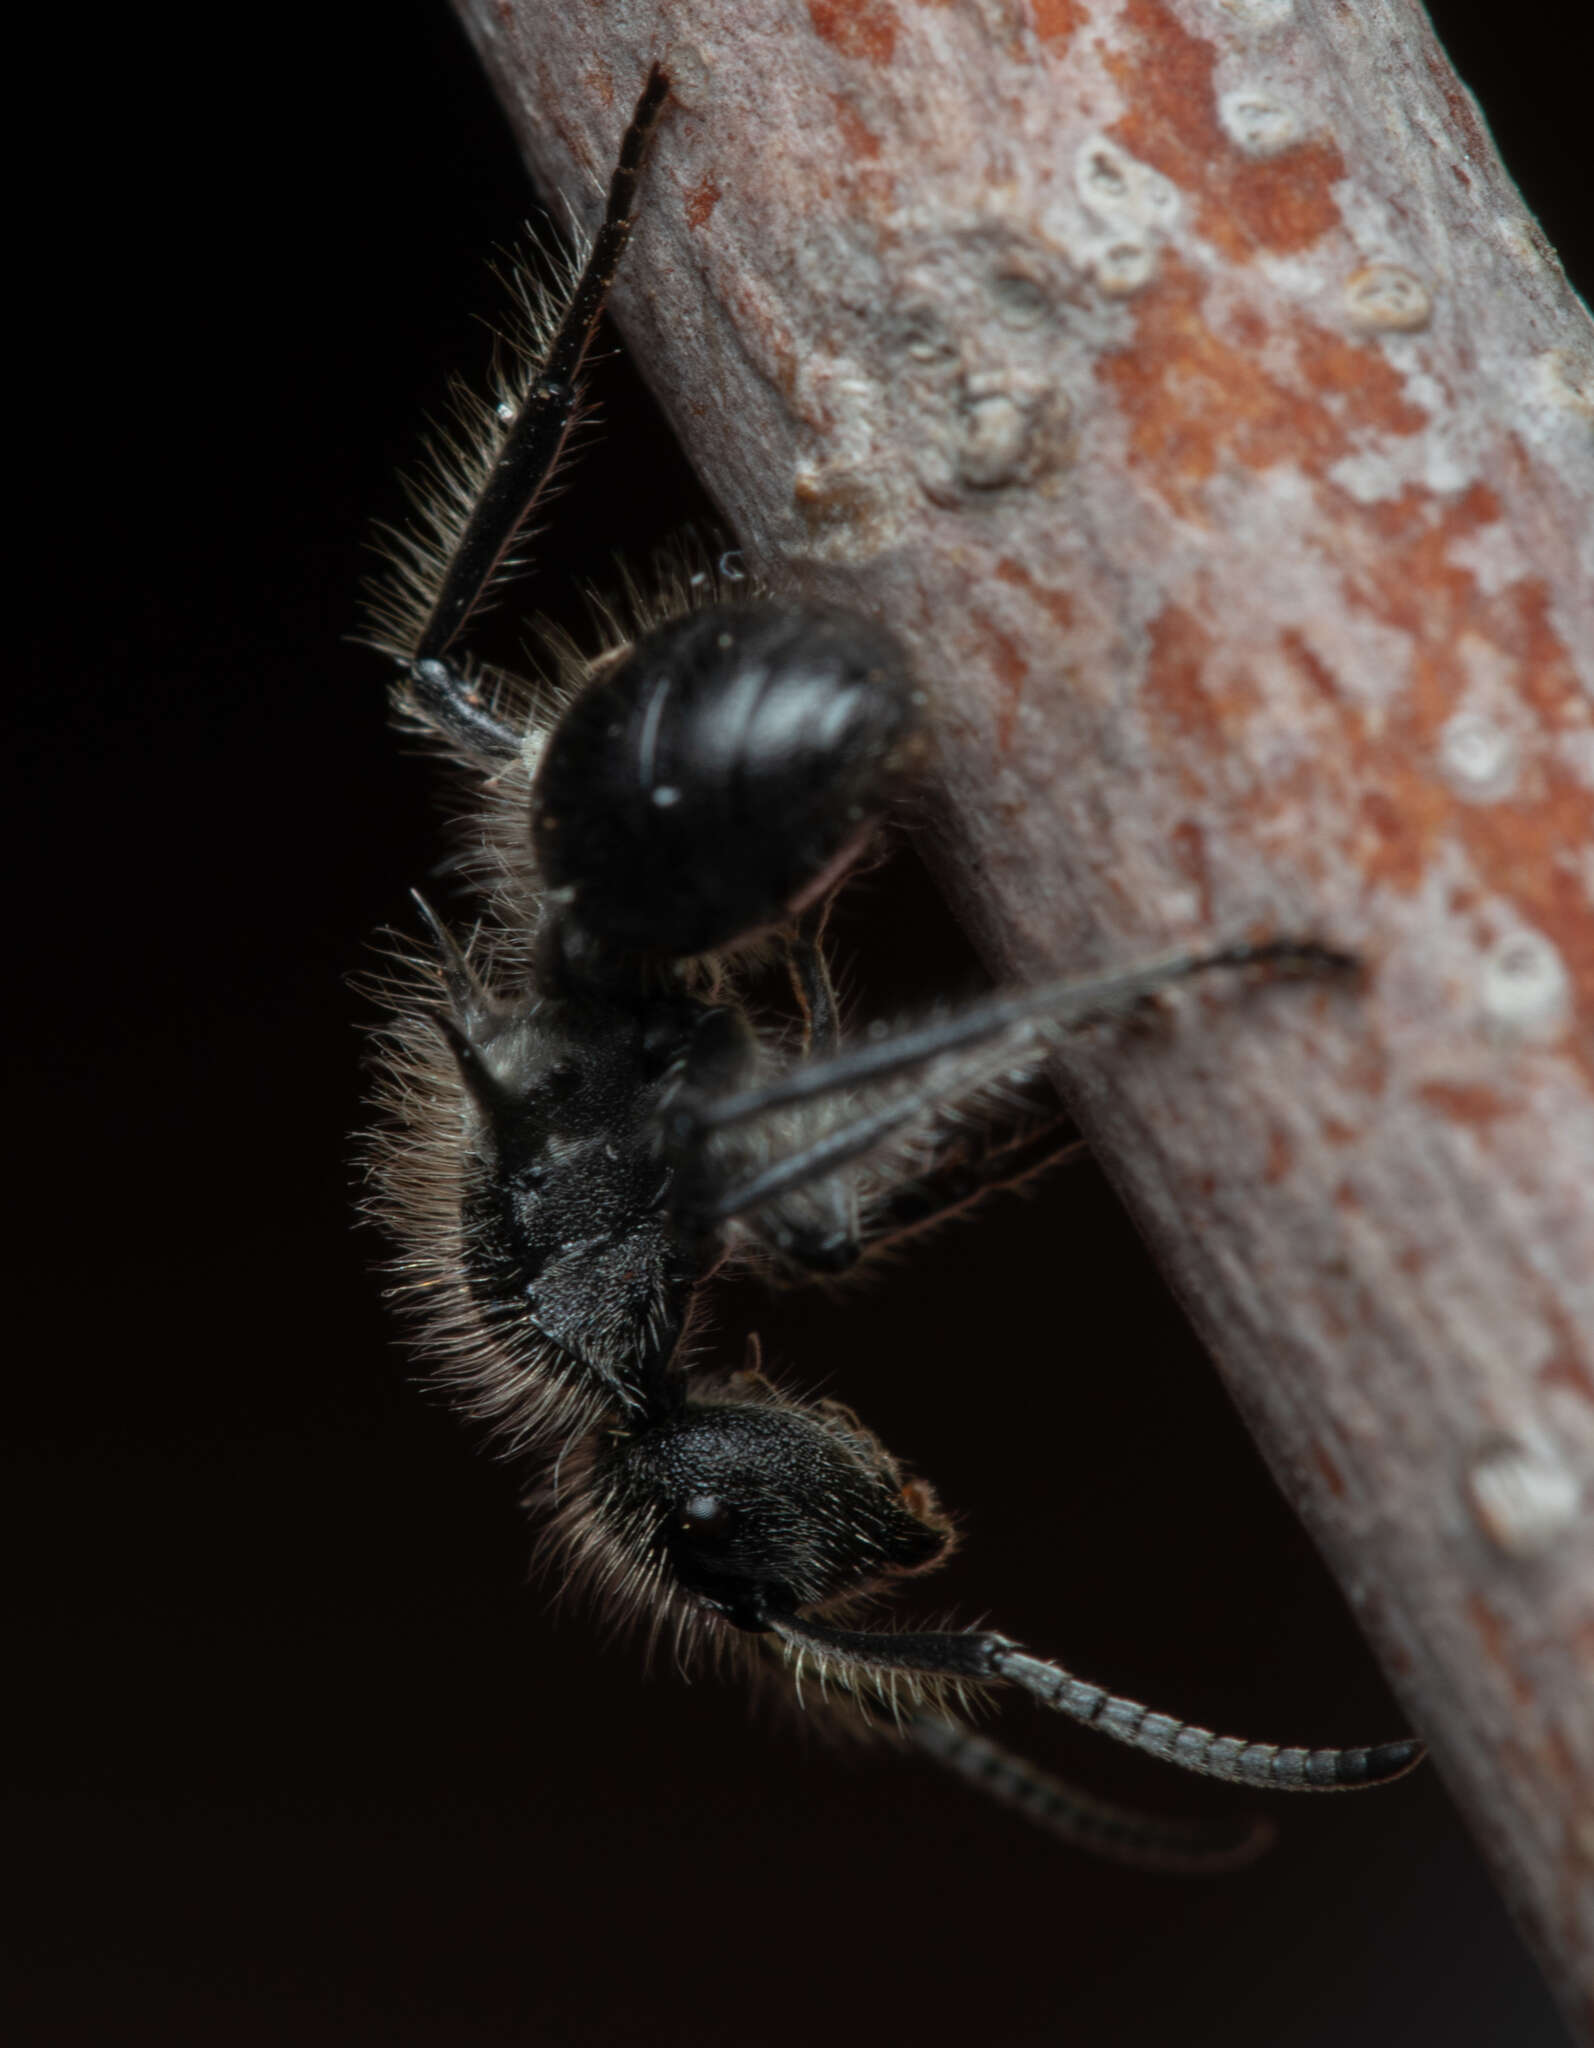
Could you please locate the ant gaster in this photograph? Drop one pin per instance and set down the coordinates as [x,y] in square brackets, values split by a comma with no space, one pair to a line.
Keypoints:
[582,1122]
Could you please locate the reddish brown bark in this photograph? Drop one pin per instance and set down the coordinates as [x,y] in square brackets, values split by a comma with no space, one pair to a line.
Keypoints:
[1186,382]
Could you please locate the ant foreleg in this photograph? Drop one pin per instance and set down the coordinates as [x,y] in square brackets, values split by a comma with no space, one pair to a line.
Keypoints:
[484,485]
[530,450]
[449,700]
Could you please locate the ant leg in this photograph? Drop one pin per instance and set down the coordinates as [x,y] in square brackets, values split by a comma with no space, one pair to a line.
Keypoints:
[1001,1029]
[815,991]
[1065,1005]
[993,1659]
[946,1186]
[530,450]
[487,489]
[955,1184]
[1193,1848]
[821,1231]
[449,700]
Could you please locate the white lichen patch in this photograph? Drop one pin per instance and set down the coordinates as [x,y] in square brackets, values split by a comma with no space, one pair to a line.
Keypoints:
[1387,298]
[1441,458]
[1565,378]
[1552,410]
[1372,476]
[1007,429]
[995,437]
[1492,556]
[989,328]
[1482,746]
[1123,267]
[1521,240]
[1260,122]
[842,496]
[1258,14]
[1116,186]
[1131,208]
[1524,989]
[1522,1495]
[1479,757]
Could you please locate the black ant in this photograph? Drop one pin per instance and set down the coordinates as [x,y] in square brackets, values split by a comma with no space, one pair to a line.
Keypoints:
[584,1123]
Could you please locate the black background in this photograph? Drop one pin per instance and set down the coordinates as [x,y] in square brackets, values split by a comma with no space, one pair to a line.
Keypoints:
[297,1754]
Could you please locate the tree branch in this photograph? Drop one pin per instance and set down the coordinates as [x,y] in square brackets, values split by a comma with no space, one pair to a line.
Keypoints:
[1186,383]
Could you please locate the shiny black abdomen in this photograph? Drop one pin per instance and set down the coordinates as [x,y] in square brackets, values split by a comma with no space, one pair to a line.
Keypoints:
[712,779]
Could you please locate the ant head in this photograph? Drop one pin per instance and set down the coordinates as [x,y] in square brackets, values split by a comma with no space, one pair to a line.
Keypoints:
[756,1508]
[722,773]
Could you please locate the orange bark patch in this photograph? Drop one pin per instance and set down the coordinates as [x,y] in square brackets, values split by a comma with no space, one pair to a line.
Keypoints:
[1399,826]
[1195,402]
[857,28]
[1367,1070]
[1526,849]
[1190,693]
[1280,1156]
[1332,1476]
[702,200]
[1493,1634]
[860,140]
[1181,648]
[1398,570]
[1354,381]
[1465,1102]
[1242,205]
[1195,406]
[1011,670]
[1489,1626]
[1519,846]
[1056,603]
[1056,21]
[1567,1365]
[1566,1369]
[1316,671]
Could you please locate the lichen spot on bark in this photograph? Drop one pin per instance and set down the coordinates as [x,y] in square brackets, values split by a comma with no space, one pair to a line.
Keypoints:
[1256,181]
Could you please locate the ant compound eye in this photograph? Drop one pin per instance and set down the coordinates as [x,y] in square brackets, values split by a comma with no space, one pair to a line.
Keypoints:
[723,773]
[703,1515]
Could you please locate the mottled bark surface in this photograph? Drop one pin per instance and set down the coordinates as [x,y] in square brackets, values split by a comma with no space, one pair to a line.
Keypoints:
[1185,381]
